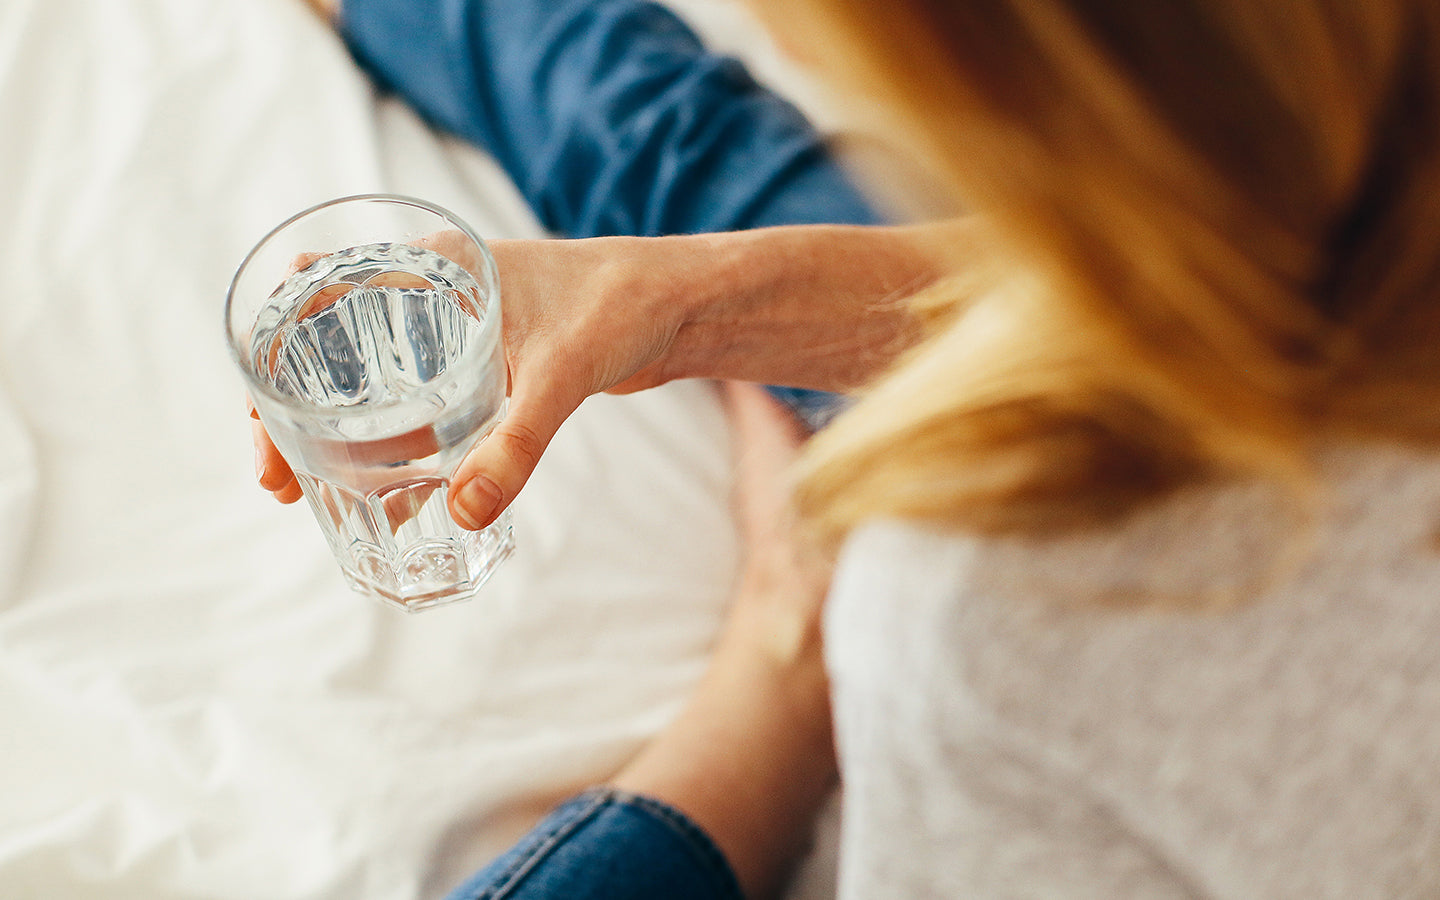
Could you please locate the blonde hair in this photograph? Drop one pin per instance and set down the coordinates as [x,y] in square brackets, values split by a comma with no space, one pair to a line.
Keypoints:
[1214,234]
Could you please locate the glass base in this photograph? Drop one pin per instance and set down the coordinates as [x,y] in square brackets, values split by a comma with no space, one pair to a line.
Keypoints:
[437,573]
[400,546]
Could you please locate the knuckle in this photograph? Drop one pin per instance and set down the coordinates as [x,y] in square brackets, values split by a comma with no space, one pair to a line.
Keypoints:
[523,443]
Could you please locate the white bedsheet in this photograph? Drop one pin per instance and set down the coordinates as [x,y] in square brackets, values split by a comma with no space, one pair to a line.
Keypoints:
[192,704]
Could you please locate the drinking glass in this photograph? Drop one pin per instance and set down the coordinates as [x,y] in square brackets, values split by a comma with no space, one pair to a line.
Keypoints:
[368,332]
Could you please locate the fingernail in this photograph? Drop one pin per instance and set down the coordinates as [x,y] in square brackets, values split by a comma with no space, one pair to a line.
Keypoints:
[477,502]
[259,465]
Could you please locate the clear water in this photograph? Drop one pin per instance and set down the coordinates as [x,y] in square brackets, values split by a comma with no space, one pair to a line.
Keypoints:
[371,346]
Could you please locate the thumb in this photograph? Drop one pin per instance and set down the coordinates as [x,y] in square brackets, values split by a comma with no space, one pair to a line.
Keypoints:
[489,477]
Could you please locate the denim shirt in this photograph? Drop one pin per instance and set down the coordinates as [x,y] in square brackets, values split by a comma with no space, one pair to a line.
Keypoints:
[609,115]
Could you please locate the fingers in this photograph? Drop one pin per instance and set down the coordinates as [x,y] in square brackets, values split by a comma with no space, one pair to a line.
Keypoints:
[783,578]
[301,261]
[488,479]
[457,247]
[767,440]
[271,469]
[289,493]
[761,421]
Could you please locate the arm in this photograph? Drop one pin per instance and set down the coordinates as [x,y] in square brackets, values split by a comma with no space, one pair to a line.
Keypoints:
[751,758]
[815,306]
[609,115]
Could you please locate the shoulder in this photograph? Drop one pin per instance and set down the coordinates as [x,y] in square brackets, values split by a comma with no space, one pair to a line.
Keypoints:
[986,687]
[1206,547]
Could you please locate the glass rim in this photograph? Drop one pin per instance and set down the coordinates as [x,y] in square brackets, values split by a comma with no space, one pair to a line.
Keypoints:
[240,354]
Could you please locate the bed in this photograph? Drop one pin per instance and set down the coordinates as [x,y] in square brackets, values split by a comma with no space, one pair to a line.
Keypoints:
[192,703]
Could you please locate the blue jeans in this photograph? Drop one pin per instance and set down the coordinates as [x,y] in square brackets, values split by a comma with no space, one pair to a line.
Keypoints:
[608,845]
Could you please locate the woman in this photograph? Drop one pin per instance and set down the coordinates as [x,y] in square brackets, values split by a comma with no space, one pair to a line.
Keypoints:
[1136,596]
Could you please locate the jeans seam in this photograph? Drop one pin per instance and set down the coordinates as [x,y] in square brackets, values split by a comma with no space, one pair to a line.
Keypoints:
[523,866]
[700,843]
[590,804]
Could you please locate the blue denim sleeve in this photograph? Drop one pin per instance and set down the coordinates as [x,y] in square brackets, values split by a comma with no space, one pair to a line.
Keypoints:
[609,115]
[608,845]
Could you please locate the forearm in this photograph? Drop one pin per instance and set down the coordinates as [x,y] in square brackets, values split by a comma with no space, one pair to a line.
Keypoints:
[810,306]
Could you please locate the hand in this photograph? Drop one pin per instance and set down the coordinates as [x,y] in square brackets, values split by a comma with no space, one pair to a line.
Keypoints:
[784,577]
[271,469]
[579,317]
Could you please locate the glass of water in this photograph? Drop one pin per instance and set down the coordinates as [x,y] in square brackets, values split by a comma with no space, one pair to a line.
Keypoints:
[368,331]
